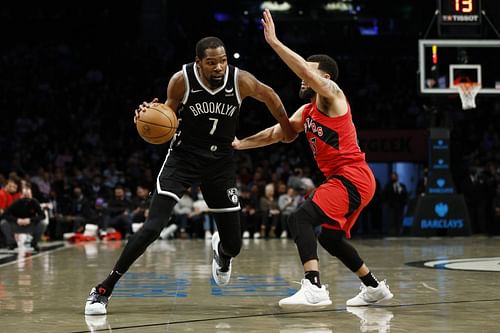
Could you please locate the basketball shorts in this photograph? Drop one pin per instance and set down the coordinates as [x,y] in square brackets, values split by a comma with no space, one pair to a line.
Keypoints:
[215,172]
[342,198]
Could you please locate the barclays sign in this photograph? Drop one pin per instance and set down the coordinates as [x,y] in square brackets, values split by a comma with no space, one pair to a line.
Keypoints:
[441,187]
[441,215]
[441,209]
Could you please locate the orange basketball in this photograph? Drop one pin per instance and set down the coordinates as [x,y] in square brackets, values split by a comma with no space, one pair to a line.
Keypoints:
[157,124]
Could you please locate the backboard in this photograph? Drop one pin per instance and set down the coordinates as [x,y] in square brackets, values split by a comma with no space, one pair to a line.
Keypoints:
[444,63]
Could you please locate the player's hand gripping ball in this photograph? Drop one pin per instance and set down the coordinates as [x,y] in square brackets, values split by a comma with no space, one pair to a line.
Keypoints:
[157,124]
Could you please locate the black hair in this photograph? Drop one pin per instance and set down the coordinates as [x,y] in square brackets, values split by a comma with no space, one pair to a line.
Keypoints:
[326,64]
[207,43]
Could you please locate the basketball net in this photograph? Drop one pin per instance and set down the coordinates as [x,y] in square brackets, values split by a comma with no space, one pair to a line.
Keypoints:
[468,92]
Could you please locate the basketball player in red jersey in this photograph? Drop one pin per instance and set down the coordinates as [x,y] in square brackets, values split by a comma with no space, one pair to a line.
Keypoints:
[349,186]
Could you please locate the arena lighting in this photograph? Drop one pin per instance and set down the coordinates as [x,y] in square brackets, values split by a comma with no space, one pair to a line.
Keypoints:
[276,6]
[340,6]
[236,55]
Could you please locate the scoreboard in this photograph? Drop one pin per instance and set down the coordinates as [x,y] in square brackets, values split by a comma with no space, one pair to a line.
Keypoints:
[459,17]
[460,12]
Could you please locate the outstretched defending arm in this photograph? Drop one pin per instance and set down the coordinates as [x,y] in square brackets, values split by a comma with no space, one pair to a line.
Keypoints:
[270,135]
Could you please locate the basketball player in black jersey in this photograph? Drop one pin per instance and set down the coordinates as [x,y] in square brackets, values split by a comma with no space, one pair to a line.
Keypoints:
[207,95]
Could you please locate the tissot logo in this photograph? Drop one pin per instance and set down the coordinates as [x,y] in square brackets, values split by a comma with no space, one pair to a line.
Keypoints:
[441,208]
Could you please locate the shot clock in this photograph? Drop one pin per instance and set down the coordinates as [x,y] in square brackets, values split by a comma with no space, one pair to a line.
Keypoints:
[459,17]
[460,12]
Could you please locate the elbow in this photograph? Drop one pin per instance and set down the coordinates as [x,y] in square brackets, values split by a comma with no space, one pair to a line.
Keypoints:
[306,74]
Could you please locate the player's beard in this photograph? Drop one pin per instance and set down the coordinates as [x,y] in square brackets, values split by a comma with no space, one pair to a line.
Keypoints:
[214,83]
[307,93]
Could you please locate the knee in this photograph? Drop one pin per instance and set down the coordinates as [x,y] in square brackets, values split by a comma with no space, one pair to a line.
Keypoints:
[331,240]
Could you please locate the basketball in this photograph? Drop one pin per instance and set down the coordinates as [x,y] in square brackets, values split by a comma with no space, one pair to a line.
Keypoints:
[157,124]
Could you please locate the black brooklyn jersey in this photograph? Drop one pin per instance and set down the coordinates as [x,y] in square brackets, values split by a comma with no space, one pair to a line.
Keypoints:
[208,117]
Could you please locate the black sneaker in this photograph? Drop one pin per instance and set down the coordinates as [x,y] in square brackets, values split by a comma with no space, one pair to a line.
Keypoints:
[96,303]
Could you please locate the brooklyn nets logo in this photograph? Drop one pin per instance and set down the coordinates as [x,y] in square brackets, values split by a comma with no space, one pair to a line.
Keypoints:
[232,194]
[491,264]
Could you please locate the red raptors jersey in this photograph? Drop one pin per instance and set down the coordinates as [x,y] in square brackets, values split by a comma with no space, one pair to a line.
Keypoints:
[333,141]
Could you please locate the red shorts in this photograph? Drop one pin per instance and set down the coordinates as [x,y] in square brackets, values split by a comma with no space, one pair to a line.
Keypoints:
[343,196]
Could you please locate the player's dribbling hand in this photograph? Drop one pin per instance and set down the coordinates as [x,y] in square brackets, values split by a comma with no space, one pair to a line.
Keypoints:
[143,108]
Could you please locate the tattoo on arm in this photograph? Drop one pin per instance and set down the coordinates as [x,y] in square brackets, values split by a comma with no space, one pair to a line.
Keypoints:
[333,86]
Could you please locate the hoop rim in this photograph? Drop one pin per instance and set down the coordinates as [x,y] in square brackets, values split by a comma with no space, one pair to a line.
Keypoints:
[467,84]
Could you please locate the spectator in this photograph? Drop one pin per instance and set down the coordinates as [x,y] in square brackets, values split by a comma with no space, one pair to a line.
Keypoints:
[248,215]
[287,203]
[201,217]
[269,213]
[140,202]
[98,215]
[75,215]
[119,208]
[183,210]
[8,194]
[395,197]
[23,216]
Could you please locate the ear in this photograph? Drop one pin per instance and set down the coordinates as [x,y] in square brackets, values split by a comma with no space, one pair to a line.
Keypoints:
[198,61]
[327,76]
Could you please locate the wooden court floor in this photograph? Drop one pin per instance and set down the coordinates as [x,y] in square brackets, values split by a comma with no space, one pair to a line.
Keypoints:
[440,285]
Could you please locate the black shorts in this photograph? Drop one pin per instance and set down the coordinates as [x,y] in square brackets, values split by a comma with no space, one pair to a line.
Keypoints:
[214,171]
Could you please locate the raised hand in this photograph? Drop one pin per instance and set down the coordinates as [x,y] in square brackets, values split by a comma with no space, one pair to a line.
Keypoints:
[269,30]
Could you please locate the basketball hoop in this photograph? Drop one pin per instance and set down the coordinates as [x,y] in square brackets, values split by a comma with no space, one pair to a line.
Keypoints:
[468,92]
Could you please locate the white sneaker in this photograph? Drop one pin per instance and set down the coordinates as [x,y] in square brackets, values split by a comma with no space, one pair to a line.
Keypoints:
[221,268]
[284,235]
[308,295]
[246,234]
[256,235]
[96,303]
[372,319]
[370,295]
